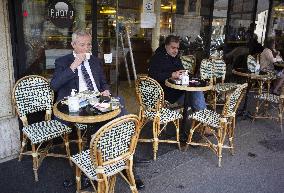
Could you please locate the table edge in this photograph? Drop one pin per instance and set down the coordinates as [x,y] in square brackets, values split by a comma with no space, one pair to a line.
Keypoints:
[187,88]
[84,119]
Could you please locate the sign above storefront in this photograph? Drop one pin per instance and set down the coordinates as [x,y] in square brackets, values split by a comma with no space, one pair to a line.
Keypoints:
[148,20]
[61,13]
[148,6]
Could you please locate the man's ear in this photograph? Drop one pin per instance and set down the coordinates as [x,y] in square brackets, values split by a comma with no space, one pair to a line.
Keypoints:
[72,44]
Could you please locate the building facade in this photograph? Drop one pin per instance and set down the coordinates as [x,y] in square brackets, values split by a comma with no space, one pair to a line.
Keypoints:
[34,33]
[9,125]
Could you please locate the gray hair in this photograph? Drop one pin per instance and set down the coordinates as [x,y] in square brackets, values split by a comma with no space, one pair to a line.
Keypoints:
[80,33]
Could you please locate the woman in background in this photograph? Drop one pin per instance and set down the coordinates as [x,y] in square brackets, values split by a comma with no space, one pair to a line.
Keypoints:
[267,59]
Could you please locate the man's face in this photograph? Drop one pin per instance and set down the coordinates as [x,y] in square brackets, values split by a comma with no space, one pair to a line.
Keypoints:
[172,49]
[82,44]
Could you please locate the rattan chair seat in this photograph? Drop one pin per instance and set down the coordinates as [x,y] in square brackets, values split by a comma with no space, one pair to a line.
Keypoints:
[224,87]
[45,130]
[84,162]
[268,97]
[208,117]
[166,115]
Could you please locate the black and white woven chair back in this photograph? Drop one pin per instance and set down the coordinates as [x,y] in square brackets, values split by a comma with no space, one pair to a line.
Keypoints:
[150,91]
[234,99]
[252,64]
[32,94]
[188,63]
[219,67]
[206,69]
[113,139]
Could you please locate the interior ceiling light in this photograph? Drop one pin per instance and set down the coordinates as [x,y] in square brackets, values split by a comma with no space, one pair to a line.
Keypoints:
[168,7]
[279,8]
[107,10]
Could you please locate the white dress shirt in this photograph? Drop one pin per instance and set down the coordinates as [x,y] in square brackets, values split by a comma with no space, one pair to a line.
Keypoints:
[82,82]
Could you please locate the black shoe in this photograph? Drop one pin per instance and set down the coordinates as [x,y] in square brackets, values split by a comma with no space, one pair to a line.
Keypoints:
[85,182]
[183,138]
[68,183]
[139,184]
[141,161]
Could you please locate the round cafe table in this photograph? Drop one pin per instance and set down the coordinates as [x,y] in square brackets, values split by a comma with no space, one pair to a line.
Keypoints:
[250,77]
[202,86]
[85,115]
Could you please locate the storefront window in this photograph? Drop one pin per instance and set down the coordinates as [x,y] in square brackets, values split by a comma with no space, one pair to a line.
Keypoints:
[48,26]
[278,26]
[47,35]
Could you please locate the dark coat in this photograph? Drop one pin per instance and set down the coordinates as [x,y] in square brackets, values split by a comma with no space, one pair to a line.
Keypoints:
[64,79]
[162,65]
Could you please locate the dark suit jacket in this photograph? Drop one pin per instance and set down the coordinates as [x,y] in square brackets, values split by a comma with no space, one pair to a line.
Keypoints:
[64,79]
[162,65]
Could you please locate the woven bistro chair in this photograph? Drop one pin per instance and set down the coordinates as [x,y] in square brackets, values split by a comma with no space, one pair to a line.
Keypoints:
[221,125]
[214,69]
[189,63]
[270,106]
[81,134]
[32,94]
[253,63]
[111,151]
[151,100]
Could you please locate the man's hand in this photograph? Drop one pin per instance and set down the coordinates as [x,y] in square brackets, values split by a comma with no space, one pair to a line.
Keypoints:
[105,93]
[177,74]
[78,61]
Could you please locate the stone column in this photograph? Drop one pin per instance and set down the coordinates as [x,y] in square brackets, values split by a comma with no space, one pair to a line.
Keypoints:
[198,7]
[186,4]
[156,31]
[80,14]
[9,127]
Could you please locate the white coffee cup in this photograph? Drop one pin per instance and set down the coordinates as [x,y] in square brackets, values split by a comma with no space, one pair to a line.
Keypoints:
[88,56]
[108,58]
[185,80]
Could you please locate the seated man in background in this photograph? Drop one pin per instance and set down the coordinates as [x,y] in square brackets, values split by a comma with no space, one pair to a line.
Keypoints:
[165,64]
[81,71]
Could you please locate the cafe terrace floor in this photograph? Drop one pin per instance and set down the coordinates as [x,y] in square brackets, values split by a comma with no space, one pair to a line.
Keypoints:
[256,167]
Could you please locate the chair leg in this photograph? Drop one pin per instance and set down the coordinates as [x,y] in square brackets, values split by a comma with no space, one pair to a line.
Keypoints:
[131,178]
[220,139]
[176,122]
[191,131]
[80,140]
[35,161]
[280,116]
[78,179]
[142,121]
[102,186]
[156,128]
[256,110]
[219,152]
[23,145]
[112,180]
[215,100]
[231,137]
[67,147]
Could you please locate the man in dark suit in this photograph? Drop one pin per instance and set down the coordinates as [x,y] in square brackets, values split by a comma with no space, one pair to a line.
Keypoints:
[81,71]
[68,72]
